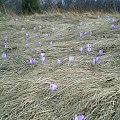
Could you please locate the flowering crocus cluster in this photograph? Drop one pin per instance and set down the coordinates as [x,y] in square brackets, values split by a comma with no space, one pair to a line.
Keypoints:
[53,87]
[3,56]
[78,117]
[95,60]
[89,48]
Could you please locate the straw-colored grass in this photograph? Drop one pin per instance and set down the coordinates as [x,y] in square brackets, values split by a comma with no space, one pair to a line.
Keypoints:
[82,87]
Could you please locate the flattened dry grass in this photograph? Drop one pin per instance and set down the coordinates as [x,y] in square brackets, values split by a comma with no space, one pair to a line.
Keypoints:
[91,90]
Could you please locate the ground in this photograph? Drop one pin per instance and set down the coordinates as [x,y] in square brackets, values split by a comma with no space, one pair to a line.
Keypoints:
[93,90]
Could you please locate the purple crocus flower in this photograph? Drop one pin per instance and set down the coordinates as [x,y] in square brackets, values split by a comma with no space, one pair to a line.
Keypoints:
[27,35]
[78,117]
[58,34]
[26,45]
[89,49]
[46,35]
[81,34]
[6,46]
[71,58]
[4,56]
[100,52]
[81,23]
[42,59]
[91,33]
[81,49]
[81,117]
[59,61]
[113,26]
[107,17]
[89,45]
[6,38]
[53,87]
[95,60]
[32,61]
[85,33]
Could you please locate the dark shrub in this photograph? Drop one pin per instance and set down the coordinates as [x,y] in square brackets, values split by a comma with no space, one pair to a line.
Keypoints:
[31,6]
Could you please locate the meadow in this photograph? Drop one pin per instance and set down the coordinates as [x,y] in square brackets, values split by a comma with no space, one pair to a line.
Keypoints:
[60,49]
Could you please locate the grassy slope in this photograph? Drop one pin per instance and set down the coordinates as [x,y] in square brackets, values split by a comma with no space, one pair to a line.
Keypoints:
[92,90]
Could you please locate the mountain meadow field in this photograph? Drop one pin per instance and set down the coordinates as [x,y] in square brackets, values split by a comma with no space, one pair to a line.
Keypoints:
[56,65]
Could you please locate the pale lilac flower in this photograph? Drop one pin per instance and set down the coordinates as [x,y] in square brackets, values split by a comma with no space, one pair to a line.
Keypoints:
[34,28]
[91,33]
[100,52]
[27,39]
[40,43]
[81,117]
[107,17]
[4,56]
[81,49]
[112,26]
[50,43]
[59,61]
[6,46]
[6,38]
[71,58]
[42,59]
[89,49]
[99,17]
[46,35]
[82,41]
[39,26]
[26,45]
[89,45]
[58,34]
[42,54]
[78,117]
[32,61]
[85,33]
[113,19]
[81,23]
[27,35]
[81,34]
[53,87]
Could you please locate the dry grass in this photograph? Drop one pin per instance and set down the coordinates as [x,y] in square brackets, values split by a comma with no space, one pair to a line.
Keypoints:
[92,90]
